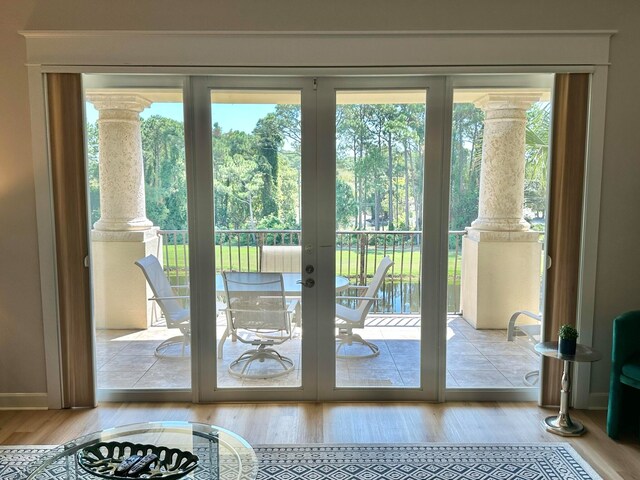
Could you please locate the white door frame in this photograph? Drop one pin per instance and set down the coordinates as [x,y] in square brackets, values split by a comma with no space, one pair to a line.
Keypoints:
[202,260]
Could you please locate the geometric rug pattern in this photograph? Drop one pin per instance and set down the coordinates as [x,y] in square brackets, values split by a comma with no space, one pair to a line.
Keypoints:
[428,461]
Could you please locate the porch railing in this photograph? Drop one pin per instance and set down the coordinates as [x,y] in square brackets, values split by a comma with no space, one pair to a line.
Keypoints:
[358,253]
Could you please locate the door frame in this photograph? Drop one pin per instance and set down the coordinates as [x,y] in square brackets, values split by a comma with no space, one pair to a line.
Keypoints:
[433,248]
[201,258]
[393,52]
[501,81]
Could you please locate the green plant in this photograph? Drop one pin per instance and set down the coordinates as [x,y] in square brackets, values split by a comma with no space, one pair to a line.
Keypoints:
[567,332]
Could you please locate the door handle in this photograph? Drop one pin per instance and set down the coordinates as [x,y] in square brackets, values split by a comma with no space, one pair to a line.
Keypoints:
[308,283]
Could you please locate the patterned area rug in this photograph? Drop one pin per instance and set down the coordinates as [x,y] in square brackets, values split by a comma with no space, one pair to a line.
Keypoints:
[541,461]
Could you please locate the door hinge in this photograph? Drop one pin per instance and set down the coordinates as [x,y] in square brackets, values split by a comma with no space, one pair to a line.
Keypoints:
[315,84]
[86,261]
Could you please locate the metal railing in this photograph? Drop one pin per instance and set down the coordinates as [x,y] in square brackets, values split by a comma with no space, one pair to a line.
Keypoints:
[358,254]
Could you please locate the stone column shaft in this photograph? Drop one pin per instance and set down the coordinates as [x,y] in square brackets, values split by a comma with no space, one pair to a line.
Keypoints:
[500,254]
[122,197]
[503,162]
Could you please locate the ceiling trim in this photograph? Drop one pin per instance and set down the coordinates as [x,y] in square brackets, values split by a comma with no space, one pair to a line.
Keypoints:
[317,49]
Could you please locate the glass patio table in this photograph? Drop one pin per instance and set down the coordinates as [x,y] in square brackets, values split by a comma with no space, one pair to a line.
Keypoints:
[291,282]
[223,455]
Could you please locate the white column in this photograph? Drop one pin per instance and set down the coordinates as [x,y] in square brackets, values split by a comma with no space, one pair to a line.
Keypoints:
[502,172]
[122,199]
[501,256]
[123,234]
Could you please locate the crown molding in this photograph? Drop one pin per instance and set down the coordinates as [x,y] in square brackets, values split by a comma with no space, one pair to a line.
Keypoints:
[316,49]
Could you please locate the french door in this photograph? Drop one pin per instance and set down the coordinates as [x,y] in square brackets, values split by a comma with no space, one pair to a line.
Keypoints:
[337,184]
[300,223]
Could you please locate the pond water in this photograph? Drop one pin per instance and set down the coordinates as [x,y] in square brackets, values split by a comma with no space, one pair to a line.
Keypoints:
[404,297]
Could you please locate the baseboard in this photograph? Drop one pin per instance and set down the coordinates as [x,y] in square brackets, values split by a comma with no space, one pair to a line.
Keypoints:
[598,401]
[23,401]
[491,395]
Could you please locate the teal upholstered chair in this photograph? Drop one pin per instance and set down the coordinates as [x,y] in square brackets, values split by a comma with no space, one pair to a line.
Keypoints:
[625,371]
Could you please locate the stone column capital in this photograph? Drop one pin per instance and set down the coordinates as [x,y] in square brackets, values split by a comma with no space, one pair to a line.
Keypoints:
[507,101]
[115,101]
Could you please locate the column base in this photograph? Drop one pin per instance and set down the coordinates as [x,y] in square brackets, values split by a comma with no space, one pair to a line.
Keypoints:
[120,291]
[501,274]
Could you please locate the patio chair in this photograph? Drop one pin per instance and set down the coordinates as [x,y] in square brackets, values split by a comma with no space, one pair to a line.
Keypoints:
[350,318]
[532,332]
[256,305]
[171,305]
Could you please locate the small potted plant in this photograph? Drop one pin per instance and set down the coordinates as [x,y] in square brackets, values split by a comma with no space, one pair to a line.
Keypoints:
[567,340]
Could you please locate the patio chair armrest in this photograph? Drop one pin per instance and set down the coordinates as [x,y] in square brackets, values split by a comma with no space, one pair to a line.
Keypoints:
[511,329]
[293,305]
[176,297]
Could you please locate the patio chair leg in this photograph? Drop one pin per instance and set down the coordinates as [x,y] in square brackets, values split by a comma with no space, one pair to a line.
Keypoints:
[531,378]
[261,354]
[160,349]
[349,338]
[224,337]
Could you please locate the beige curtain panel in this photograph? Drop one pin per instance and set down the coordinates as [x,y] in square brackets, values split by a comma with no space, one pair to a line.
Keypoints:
[64,93]
[568,153]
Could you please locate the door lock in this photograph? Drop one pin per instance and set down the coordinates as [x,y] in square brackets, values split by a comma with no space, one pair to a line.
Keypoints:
[309,269]
[308,283]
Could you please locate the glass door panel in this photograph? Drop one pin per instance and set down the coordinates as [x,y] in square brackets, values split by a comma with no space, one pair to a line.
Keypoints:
[380,145]
[498,197]
[256,143]
[137,194]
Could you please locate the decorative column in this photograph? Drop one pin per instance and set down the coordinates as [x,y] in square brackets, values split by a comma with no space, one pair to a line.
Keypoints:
[123,234]
[501,256]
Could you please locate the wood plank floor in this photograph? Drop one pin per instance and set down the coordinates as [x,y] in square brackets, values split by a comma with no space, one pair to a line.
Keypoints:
[295,423]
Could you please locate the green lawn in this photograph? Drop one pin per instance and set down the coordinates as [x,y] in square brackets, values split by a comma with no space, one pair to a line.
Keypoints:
[246,258]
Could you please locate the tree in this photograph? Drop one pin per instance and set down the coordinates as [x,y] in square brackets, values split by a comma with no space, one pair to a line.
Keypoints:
[93,172]
[269,140]
[466,158]
[537,157]
[345,204]
[242,183]
[165,176]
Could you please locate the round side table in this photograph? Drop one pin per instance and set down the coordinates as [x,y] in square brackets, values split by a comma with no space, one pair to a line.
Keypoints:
[562,424]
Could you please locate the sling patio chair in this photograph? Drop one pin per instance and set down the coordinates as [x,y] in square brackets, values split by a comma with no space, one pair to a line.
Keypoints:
[350,318]
[257,313]
[176,314]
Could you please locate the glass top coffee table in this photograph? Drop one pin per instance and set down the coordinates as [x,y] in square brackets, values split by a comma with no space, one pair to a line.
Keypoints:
[223,455]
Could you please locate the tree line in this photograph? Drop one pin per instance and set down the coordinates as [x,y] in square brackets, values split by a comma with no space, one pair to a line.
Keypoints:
[379,158]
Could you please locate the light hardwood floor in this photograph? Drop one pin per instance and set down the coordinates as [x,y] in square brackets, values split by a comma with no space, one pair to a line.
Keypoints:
[296,423]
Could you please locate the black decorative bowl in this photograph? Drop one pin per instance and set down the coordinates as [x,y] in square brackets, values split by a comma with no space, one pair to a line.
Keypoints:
[102,459]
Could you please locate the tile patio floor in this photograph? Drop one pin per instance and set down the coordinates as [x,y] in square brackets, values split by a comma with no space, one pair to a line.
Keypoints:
[475,358]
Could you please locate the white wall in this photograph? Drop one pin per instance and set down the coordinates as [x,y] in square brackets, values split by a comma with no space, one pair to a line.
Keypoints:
[618,276]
